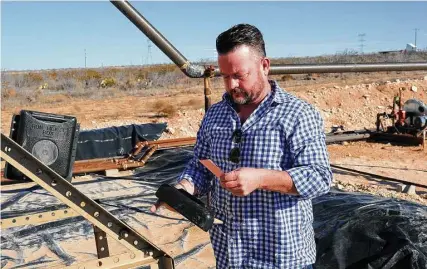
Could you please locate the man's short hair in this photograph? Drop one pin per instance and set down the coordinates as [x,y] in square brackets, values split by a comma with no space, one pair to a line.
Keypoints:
[238,35]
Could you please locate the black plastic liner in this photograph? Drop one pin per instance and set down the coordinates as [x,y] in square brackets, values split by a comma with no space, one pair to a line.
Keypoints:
[352,230]
[358,231]
[115,141]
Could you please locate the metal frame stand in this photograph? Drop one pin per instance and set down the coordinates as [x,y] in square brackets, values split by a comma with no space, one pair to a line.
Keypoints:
[140,250]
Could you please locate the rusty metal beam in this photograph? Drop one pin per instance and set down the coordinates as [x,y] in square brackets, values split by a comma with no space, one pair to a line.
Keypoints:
[177,142]
[124,163]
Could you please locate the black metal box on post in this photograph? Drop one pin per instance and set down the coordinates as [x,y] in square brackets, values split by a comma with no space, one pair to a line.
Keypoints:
[51,138]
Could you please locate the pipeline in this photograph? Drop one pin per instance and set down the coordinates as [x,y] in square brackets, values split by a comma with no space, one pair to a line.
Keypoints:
[379,176]
[356,135]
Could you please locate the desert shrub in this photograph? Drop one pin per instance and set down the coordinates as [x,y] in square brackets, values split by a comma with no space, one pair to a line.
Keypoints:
[65,84]
[44,86]
[7,93]
[26,80]
[287,77]
[69,74]
[163,108]
[108,82]
[127,85]
[92,74]
[112,71]
[53,75]
[33,78]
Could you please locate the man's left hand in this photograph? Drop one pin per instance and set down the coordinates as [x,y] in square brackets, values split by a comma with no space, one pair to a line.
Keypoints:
[242,181]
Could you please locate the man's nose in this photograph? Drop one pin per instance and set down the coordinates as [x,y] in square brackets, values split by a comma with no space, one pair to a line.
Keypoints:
[232,83]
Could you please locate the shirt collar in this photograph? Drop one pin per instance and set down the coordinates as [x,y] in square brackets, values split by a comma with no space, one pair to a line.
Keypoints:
[279,95]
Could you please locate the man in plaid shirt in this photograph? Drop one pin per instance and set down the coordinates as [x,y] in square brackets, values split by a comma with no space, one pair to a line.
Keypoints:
[271,147]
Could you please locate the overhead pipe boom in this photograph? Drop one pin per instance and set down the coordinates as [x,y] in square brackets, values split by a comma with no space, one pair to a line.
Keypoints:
[198,71]
[189,69]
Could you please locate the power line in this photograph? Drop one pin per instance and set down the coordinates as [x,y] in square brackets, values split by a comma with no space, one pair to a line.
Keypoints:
[361,40]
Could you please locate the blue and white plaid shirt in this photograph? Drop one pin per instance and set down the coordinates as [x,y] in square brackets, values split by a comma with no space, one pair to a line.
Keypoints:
[265,229]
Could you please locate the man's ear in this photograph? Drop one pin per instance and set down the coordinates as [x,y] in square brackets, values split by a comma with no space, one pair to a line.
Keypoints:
[265,64]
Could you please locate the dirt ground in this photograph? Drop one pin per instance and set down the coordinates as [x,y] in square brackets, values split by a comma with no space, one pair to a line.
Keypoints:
[348,100]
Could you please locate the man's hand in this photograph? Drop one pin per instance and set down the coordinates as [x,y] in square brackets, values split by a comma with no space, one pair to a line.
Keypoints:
[185,185]
[159,203]
[242,181]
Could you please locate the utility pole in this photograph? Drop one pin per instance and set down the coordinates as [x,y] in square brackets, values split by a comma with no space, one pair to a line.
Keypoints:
[85,58]
[361,40]
[149,57]
[416,30]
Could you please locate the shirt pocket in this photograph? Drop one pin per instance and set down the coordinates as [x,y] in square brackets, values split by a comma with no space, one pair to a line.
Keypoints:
[220,143]
[264,147]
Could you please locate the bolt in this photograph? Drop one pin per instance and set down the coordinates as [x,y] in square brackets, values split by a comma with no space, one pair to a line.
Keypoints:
[124,234]
[82,204]
[96,214]
[68,193]
[110,224]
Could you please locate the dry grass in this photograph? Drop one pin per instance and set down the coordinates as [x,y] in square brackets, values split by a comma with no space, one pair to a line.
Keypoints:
[165,109]
[287,77]
[194,103]
[8,93]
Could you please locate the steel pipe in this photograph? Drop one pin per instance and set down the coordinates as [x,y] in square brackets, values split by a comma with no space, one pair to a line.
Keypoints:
[345,68]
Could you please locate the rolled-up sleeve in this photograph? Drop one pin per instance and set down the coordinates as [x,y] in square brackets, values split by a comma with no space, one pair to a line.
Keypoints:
[311,171]
[195,172]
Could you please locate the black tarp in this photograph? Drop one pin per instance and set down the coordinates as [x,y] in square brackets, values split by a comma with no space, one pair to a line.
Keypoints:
[352,230]
[116,140]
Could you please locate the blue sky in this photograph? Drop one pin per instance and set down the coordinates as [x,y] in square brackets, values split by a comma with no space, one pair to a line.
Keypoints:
[45,35]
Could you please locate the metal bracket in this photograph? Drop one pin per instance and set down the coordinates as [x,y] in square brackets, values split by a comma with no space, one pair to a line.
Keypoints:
[101,243]
[47,178]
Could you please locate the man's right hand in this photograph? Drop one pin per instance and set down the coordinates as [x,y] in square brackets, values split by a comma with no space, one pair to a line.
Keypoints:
[185,185]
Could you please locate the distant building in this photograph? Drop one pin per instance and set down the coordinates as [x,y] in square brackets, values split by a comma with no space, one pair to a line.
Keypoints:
[410,47]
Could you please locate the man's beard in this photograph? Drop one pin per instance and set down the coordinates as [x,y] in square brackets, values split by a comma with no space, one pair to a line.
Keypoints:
[241,100]
[245,98]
